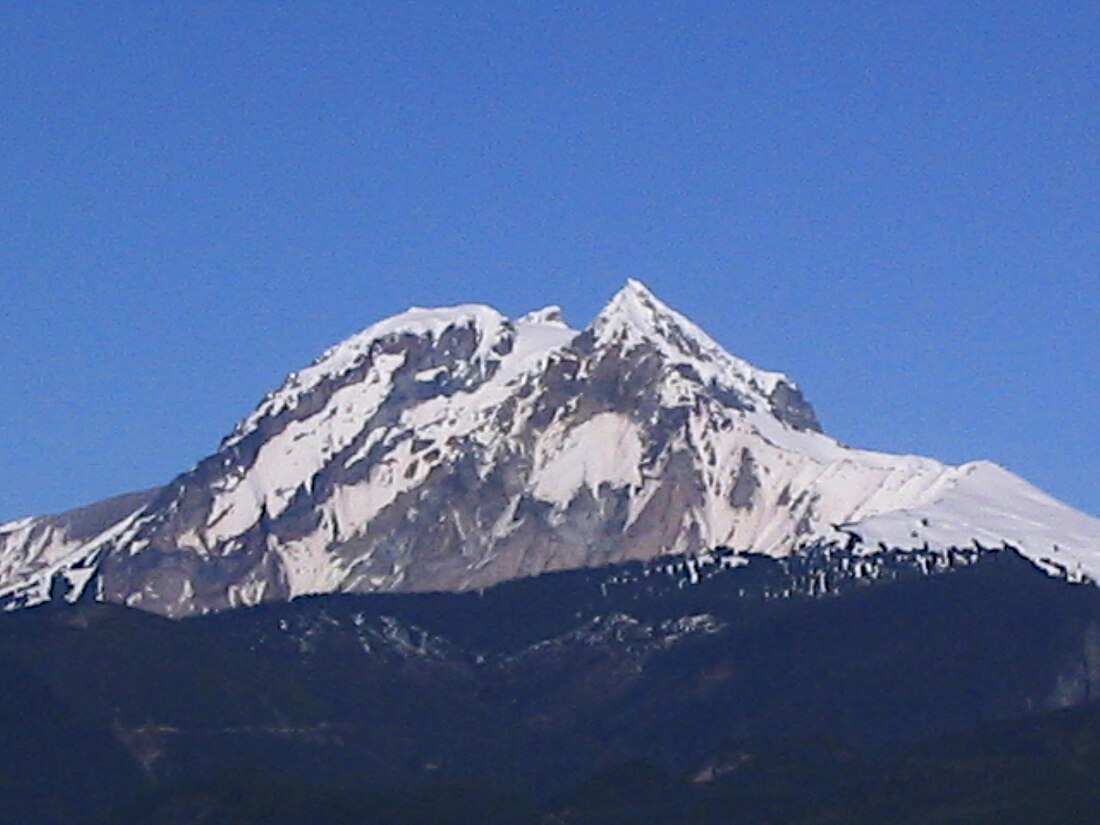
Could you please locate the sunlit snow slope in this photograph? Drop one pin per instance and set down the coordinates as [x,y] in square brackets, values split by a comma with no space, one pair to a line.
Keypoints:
[449,449]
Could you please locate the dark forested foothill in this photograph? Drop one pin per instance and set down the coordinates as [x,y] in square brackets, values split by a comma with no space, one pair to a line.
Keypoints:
[690,690]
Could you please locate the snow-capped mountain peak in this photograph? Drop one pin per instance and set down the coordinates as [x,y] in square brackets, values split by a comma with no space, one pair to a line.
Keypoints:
[448,449]
[636,316]
[488,328]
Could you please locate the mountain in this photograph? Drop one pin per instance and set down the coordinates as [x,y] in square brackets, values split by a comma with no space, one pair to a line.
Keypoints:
[452,449]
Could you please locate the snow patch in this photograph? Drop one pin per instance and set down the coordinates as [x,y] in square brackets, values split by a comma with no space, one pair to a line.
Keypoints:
[606,449]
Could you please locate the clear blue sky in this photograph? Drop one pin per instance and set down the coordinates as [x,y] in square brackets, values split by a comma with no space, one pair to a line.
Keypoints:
[895,203]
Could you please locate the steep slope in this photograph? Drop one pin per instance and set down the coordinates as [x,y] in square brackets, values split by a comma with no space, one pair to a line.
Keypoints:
[451,449]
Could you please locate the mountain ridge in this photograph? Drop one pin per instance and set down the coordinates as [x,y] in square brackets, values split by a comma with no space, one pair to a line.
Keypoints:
[449,449]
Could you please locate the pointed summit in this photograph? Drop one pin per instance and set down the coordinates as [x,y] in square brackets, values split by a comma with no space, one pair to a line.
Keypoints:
[632,306]
[634,312]
[635,316]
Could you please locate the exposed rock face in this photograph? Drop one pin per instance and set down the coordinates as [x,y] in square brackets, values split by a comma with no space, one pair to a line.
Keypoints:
[452,449]
[788,405]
